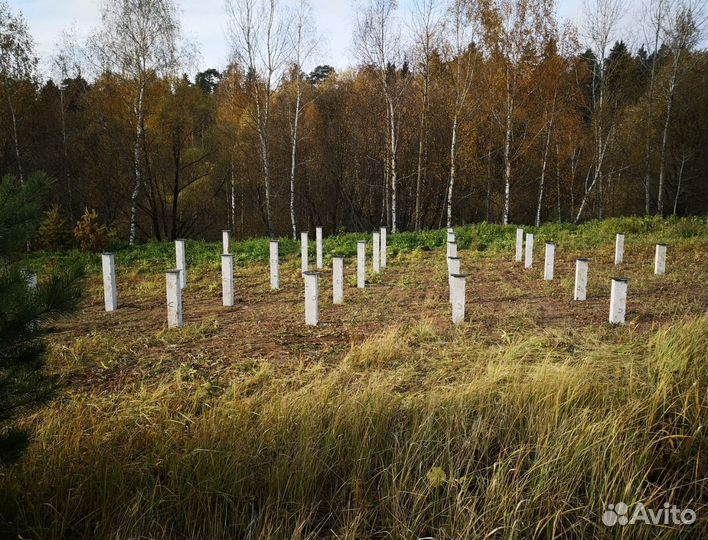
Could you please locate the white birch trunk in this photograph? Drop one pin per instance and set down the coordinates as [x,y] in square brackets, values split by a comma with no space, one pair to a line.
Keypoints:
[137,157]
[451,182]
[293,154]
[543,173]
[394,176]
[665,134]
[507,151]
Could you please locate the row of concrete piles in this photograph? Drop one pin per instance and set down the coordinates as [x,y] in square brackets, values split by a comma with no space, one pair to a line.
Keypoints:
[618,287]
[379,260]
[176,279]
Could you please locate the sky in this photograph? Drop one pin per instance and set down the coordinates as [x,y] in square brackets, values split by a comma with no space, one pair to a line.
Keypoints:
[204,24]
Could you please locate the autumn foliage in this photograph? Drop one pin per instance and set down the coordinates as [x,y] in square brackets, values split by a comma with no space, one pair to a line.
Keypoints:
[518,117]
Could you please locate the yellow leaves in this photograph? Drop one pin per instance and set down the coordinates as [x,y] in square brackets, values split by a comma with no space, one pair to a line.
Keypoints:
[436,477]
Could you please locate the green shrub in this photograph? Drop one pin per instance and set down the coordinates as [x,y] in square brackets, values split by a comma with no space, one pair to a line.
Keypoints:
[54,233]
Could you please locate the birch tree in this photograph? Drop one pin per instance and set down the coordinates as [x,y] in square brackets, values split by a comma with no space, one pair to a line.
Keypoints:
[138,38]
[513,32]
[462,56]
[259,38]
[556,93]
[65,64]
[426,29]
[377,39]
[681,33]
[17,63]
[654,15]
[232,104]
[601,20]
[544,162]
[302,44]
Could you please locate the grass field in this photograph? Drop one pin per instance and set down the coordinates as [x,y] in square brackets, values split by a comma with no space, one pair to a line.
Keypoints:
[383,421]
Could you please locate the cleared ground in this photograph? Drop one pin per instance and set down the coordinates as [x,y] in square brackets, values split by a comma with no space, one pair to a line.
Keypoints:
[268,326]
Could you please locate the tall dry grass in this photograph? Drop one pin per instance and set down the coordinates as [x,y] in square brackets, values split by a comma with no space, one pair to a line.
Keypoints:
[413,434]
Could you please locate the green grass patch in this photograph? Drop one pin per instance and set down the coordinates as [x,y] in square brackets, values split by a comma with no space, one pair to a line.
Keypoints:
[159,256]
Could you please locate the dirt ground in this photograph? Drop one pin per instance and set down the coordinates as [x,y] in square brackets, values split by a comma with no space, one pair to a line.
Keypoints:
[107,351]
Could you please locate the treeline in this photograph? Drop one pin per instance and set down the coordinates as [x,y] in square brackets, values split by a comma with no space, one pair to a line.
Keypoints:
[486,110]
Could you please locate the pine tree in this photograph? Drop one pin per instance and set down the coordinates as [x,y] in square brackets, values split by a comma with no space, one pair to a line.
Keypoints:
[90,233]
[25,308]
